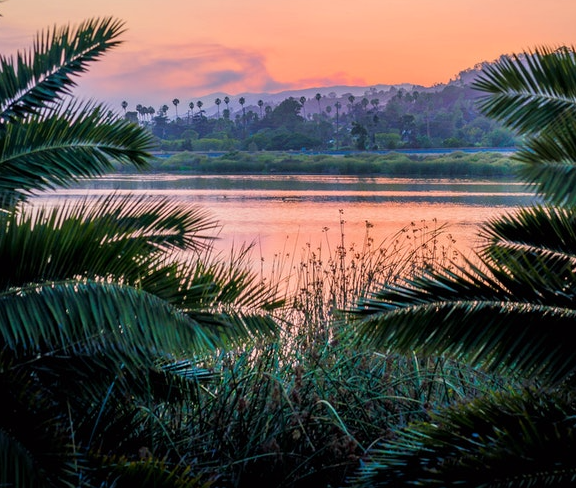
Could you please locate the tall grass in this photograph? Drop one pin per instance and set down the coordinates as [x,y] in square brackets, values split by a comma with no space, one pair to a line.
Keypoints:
[303,410]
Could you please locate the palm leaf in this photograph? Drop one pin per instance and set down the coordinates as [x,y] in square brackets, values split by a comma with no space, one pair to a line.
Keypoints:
[93,318]
[502,439]
[123,237]
[532,93]
[77,141]
[535,94]
[35,79]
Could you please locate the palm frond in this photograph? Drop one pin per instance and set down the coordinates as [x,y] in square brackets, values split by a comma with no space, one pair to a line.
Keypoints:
[501,336]
[531,93]
[93,318]
[36,78]
[535,94]
[131,239]
[502,439]
[80,140]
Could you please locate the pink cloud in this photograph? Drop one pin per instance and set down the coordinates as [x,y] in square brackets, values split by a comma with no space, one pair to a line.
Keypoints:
[153,77]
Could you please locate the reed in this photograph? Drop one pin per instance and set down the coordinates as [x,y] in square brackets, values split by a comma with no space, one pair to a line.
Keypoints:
[303,410]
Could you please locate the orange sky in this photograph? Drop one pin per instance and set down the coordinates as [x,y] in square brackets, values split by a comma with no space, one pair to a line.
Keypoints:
[189,49]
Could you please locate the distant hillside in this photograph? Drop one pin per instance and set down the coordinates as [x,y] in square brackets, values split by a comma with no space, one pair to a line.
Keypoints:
[329,93]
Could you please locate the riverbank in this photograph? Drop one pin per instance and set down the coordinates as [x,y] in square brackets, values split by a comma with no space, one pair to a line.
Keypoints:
[458,163]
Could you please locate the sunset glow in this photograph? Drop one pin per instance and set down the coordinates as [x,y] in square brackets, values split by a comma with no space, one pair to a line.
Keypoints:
[191,49]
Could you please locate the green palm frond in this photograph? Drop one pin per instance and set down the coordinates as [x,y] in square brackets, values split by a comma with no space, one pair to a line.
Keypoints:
[76,141]
[152,243]
[532,93]
[38,78]
[535,94]
[501,336]
[93,318]
[115,236]
[503,439]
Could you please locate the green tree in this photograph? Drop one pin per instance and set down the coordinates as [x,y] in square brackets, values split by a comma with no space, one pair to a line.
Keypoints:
[176,102]
[100,313]
[302,102]
[338,106]
[191,106]
[507,311]
[218,102]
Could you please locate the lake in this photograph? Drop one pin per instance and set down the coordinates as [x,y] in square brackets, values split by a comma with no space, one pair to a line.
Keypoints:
[290,212]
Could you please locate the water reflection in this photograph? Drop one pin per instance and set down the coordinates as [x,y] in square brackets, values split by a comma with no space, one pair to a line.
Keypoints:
[274,210]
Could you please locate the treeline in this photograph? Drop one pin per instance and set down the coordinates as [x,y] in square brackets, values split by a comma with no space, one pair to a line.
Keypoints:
[456,163]
[398,118]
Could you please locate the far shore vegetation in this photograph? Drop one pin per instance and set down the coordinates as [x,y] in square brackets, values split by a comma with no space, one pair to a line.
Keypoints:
[456,163]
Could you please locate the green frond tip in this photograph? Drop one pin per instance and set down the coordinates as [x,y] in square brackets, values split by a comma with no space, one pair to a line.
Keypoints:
[503,439]
[505,337]
[94,318]
[39,77]
[78,140]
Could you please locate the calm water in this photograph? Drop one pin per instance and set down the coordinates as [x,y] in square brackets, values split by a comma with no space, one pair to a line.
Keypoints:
[288,212]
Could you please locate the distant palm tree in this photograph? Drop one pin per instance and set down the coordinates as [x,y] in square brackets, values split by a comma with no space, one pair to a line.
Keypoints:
[176,102]
[338,105]
[365,102]
[191,106]
[351,99]
[375,102]
[260,104]
[199,104]
[227,101]
[124,106]
[242,101]
[318,97]
[218,102]
[302,102]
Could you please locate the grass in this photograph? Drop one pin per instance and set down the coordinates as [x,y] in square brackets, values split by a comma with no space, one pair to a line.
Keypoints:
[303,410]
[456,163]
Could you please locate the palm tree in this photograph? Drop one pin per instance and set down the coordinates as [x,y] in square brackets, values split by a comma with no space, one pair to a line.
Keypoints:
[227,101]
[175,102]
[191,105]
[199,104]
[218,102]
[99,313]
[124,105]
[139,109]
[351,99]
[508,311]
[318,98]
[338,106]
[242,101]
[260,105]
[302,102]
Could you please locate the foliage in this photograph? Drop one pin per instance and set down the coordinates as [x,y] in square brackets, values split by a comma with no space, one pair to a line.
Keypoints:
[104,303]
[384,164]
[506,313]
[442,116]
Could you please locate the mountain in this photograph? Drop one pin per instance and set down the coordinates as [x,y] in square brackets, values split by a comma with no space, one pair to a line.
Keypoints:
[329,94]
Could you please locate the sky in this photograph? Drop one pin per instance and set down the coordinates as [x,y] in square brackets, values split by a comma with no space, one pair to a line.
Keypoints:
[189,49]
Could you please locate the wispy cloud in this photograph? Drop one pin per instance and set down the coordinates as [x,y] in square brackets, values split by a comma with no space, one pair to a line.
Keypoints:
[189,72]
[185,71]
